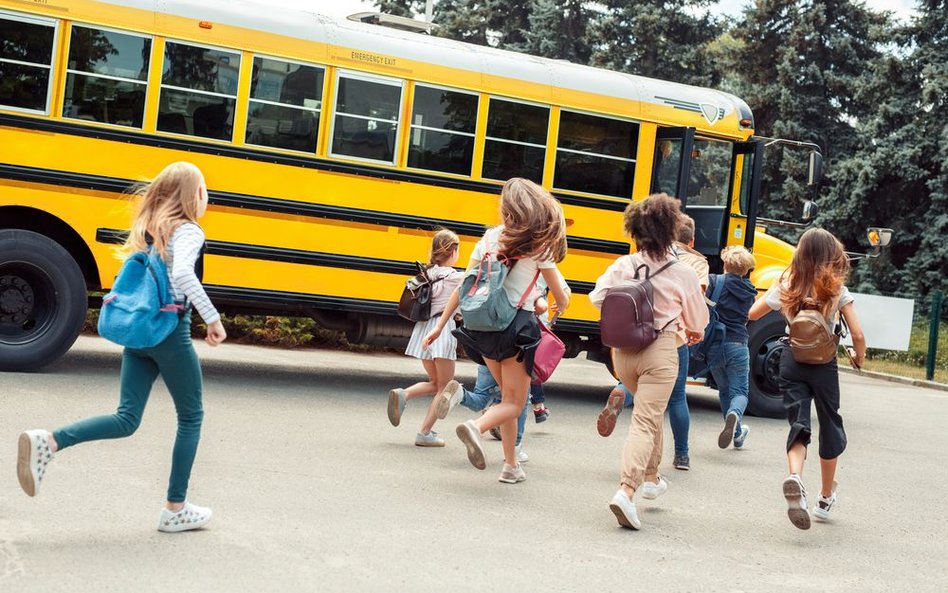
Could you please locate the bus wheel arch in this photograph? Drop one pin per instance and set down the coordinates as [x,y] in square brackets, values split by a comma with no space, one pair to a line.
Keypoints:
[765,350]
[43,300]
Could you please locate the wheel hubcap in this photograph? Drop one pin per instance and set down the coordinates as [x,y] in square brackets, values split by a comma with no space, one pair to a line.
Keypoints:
[27,302]
[16,299]
[767,366]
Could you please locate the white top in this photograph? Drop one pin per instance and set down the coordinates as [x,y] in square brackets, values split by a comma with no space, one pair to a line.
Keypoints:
[520,275]
[183,251]
[772,298]
[441,291]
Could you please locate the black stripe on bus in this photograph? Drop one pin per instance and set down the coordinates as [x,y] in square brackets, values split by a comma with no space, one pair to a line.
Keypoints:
[301,302]
[141,138]
[310,258]
[293,207]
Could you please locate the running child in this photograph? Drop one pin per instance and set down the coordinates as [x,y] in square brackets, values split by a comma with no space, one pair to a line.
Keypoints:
[439,358]
[166,220]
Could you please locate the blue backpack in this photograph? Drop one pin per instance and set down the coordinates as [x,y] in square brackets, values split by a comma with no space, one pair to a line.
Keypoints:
[715,331]
[484,304]
[139,311]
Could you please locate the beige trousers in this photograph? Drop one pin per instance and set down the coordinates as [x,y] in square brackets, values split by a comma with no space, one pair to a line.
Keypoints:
[650,375]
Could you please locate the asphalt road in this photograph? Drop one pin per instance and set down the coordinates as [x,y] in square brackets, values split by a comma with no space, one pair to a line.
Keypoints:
[313,490]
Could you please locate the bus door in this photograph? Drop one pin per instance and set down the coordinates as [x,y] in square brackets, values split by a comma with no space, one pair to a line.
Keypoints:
[747,162]
[672,163]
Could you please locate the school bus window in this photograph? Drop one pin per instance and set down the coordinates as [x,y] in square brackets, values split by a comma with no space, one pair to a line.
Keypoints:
[106,76]
[285,104]
[442,130]
[516,140]
[366,117]
[198,91]
[710,173]
[595,154]
[26,58]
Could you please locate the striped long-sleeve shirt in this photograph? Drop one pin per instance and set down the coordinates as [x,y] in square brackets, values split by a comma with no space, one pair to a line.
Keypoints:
[184,249]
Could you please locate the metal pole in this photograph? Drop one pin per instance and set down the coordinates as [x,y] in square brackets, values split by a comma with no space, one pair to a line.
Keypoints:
[934,322]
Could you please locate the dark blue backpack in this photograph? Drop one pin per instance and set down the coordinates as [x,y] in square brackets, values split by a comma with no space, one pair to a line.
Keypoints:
[715,331]
[139,311]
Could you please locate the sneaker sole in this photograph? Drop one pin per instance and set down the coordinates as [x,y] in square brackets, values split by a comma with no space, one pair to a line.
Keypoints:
[187,527]
[622,519]
[504,480]
[606,422]
[727,435]
[24,473]
[475,453]
[394,414]
[793,492]
[443,404]
[542,418]
[425,444]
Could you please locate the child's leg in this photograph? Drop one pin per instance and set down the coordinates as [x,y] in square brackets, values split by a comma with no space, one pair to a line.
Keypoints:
[521,423]
[485,388]
[444,372]
[423,388]
[537,397]
[514,385]
[737,371]
[827,476]
[832,434]
[678,415]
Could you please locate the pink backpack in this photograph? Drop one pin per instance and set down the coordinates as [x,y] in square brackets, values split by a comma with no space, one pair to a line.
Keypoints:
[628,319]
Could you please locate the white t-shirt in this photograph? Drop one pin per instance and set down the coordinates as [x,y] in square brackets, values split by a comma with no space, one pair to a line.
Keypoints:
[772,298]
[520,275]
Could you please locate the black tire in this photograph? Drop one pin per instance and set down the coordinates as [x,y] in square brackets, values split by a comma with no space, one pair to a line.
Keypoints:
[765,350]
[43,300]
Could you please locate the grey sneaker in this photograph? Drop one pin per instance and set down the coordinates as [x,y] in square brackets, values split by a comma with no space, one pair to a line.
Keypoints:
[396,405]
[682,462]
[795,494]
[511,474]
[727,433]
[740,439]
[825,504]
[448,399]
[33,455]
[471,437]
[428,440]
[652,490]
[606,422]
[624,510]
[522,456]
[189,517]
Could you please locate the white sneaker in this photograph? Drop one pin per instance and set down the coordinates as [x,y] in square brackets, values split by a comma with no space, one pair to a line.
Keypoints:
[512,475]
[795,494]
[522,456]
[741,439]
[33,455]
[448,399]
[624,510]
[652,490]
[825,504]
[189,517]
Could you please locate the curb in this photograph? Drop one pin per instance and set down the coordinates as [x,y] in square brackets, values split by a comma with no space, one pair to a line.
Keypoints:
[896,379]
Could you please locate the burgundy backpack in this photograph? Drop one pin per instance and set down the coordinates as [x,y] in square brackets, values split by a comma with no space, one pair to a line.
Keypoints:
[628,319]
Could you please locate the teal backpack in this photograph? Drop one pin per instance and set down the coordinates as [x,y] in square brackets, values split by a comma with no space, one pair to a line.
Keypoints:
[139,311]
[484,303]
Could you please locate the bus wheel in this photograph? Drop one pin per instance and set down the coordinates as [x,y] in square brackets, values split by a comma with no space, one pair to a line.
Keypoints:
[43,300]
[765,350]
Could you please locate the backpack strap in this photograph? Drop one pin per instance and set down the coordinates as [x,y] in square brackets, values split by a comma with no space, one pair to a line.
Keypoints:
[648,273]
[529,290]
[716,290]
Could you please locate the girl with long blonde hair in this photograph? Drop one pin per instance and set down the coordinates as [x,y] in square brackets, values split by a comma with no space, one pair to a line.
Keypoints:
[531,239]
[814,280]
[166,220]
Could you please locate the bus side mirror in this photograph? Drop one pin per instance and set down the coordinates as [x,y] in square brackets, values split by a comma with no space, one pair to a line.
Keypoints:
[814,169]
[810,210]
[879,237]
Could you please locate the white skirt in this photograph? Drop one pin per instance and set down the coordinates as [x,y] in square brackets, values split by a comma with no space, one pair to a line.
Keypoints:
[446,346]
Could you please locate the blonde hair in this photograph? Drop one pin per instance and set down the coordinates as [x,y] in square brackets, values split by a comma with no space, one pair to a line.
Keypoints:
[816,273]
[533,220]
[737,260]
[443,244]
[170,199]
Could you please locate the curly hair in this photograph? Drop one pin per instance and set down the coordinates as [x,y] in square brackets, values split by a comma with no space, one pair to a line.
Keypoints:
[653,224]
[533,220]
[737,260]
[816,274]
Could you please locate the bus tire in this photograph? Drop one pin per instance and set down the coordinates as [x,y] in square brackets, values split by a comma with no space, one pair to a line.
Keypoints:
[43,300]
[765,349]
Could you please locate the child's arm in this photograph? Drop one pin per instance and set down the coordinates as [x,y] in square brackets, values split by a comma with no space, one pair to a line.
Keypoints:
[758,309]
[560,294]
[855,330]
[447,314]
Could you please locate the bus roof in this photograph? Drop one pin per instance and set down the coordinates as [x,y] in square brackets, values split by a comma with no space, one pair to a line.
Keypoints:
[310,26]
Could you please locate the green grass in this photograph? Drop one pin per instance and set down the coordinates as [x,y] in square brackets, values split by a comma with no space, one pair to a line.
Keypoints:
[911,363]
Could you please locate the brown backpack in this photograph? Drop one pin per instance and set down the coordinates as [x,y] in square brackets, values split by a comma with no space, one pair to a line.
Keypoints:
[415,302]
[628,319]
[813,339]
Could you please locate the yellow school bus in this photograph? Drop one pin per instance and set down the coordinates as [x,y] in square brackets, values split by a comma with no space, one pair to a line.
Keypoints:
[332,149]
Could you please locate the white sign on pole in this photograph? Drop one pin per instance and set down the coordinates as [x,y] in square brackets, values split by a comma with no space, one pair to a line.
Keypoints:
[886,321]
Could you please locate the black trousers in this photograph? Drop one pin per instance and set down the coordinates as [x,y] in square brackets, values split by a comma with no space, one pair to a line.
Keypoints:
[803,384]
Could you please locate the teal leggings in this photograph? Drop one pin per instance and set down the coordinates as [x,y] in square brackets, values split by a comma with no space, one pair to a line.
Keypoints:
[177,363]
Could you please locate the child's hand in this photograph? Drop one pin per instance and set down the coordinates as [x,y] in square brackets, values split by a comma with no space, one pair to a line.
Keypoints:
[693,338]
[215,333]
[540,306]
[431,337]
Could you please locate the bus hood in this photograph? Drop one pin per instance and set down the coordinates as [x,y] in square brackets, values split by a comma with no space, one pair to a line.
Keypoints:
[772,256]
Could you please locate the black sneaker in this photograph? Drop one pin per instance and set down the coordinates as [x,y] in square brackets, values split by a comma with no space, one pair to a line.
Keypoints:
[541,414]
[682,462]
